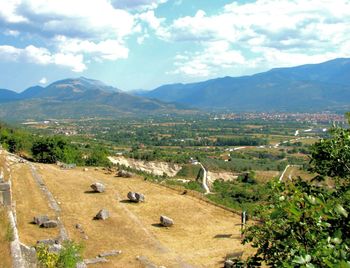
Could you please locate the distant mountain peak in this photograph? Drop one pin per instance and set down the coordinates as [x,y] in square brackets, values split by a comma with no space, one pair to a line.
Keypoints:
[77,98]
[302,88]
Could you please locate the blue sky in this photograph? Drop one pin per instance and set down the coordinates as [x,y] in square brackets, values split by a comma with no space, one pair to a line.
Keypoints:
[142,44]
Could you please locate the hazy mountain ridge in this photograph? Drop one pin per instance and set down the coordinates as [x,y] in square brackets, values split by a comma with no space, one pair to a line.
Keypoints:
[302,88]
[76,98]
[312,87]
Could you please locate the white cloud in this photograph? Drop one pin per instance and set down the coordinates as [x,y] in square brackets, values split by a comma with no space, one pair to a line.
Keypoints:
[107,49]
[217,55]
[42,56]
[8,12]
[11,33]
[267,33]
[138,4]
[73,30]
[80,18]
[151,19]
[43,81]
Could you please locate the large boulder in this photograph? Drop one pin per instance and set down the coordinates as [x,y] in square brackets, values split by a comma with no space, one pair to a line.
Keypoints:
[39,220]
[103,214]
[124,174]
[166,221]
[136,197]
[98,187]
[49,224]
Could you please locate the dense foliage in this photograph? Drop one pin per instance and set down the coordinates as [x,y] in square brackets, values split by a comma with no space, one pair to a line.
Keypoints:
[307,224]
[50,149]
[53,149]
[14,140]
[243,194]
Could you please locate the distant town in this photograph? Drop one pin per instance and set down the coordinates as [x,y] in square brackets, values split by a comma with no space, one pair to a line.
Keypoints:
[298,117]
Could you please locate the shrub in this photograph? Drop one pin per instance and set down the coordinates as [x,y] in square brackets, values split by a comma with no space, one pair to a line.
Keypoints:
[68,257]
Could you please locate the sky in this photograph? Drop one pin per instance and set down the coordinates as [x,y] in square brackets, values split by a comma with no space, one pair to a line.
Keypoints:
[142,44]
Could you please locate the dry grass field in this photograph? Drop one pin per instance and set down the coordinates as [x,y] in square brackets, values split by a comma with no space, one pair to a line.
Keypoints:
[202,235]
[5,237]
[5,230]
[30,202]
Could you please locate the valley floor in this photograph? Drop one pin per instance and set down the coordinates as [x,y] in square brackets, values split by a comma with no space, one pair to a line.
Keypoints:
[202,235]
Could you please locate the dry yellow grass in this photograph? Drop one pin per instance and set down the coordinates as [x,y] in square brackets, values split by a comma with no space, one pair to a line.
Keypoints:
[29,202]
[5,237]
[133,228]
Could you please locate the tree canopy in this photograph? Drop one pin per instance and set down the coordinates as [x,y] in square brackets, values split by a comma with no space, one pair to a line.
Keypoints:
[307,223]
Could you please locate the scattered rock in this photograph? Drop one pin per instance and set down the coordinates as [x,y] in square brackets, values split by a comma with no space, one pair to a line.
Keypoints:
[146,262]
[110,253]
[29,254]
[124,174]
[229,264]
[81,265]
[39,220]
[95,260]
[81,230]
[166,221]
[98,187]
[47,242]
[49,224]
[4,186]
[136,197]
[85,169]
[102,214]
[55,248]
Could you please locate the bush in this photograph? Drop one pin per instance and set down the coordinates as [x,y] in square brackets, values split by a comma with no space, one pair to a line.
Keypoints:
[68,257]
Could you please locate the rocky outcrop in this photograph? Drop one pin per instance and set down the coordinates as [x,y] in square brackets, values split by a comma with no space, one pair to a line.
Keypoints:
[153,167]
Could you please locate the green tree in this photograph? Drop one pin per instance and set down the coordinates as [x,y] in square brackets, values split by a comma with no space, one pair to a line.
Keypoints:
[97,157]
[307,224]
[53,149]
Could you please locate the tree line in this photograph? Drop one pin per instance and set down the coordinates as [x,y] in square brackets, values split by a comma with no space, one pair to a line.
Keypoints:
[50,149]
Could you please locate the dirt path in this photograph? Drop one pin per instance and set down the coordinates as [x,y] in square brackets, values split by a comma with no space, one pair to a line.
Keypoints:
[205,179]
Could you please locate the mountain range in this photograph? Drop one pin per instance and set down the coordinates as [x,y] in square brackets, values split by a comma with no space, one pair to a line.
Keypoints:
[78,98]
[306,88]
[312,87]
